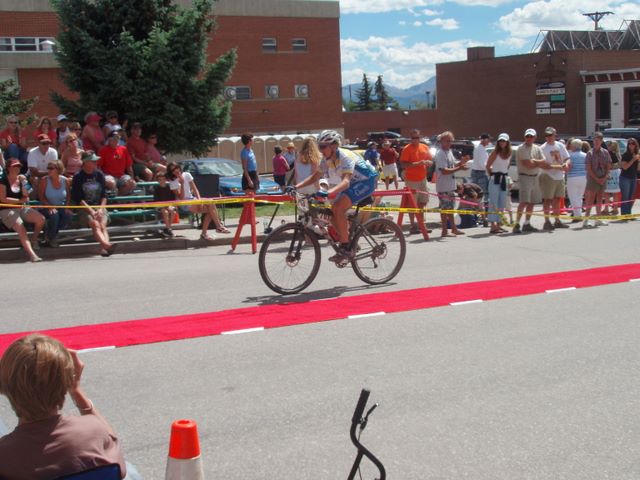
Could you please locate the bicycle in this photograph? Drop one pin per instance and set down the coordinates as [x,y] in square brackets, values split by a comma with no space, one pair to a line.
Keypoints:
[289,258]
[359,420]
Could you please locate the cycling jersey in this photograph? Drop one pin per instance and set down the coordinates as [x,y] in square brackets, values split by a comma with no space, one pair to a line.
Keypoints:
[364,176]
[348,162]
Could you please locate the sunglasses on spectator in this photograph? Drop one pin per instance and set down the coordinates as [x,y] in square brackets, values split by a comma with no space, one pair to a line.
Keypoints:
[45,143]
[528,136]
[415,138]
[13,123]
[51,168]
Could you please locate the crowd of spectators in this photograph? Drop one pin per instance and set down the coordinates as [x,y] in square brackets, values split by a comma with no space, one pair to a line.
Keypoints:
[71,165]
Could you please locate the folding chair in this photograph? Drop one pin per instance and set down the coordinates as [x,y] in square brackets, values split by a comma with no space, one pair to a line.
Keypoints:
[208,186]
[104,472]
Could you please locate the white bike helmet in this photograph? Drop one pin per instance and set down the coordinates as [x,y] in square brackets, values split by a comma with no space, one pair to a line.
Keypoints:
[329,136]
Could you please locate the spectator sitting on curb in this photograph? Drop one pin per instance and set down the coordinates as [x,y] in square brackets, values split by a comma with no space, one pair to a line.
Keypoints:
[36,372]
[163,193]
[472,193]
[13,190]
[185,188]
[116,163]
[88,190]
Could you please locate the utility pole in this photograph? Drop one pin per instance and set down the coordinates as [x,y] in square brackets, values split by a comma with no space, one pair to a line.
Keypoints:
[597,16]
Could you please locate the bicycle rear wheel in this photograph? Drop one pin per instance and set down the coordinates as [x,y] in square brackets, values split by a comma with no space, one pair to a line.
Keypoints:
[380,249]
[289,259]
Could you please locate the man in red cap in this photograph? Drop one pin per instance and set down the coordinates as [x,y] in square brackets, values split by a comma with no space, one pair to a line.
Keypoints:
[38,159]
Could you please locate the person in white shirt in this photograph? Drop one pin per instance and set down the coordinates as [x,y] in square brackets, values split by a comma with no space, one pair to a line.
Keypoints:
[38,159]
[479,170]
[552,178]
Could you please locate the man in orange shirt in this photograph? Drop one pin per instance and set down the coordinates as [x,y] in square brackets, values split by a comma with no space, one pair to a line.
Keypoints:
[416,159]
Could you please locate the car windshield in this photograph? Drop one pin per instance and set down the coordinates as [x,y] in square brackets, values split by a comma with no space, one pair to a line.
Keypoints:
[222,167]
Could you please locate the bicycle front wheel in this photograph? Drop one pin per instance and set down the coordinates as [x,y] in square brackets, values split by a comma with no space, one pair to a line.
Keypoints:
[380,248]
[289,259]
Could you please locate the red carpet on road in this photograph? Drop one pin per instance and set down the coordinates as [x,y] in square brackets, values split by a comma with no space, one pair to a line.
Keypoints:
[162,329]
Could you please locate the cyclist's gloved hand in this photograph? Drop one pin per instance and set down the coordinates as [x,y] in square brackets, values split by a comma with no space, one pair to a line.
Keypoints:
[322,194]
[289,189]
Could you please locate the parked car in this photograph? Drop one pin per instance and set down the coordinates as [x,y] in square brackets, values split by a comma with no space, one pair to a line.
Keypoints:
[631,132]
[230,172]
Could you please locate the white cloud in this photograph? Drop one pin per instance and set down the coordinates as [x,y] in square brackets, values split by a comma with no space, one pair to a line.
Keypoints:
[402,22]
[525,22]
[417,23]
[380,6]
[444,23]
[427,12]
[403,64]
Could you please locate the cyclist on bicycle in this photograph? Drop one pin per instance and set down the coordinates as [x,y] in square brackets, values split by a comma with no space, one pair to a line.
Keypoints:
[357,181]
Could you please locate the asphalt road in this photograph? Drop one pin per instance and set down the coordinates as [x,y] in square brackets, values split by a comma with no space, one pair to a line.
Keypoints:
[536,387]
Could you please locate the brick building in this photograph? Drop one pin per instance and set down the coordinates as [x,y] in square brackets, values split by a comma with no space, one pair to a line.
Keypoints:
[554,86]
[287,78]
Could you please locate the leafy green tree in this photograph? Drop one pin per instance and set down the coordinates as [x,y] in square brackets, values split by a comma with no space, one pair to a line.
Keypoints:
[11,103]
[364,95]
[145,59]
[383,99]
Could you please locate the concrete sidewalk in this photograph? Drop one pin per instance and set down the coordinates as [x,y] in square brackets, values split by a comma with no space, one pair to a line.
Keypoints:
[186,237]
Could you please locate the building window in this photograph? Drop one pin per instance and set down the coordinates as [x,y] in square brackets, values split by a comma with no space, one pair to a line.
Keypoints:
[271,91]
[26,44]
[301,91]
[632,107]
[237,93]
[269,44]
[299,44]
[603,104]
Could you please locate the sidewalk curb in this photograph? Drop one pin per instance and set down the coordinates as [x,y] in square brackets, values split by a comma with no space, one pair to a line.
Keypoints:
[132,246]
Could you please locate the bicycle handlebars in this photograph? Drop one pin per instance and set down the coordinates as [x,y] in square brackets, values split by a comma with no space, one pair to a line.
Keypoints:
[356,420]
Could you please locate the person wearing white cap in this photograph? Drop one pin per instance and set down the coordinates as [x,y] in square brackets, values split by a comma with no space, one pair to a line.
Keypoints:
[552,178]
[62,129]
[529,159]
[497,171]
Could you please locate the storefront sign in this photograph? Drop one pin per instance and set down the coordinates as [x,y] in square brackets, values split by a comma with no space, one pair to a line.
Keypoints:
[550,88]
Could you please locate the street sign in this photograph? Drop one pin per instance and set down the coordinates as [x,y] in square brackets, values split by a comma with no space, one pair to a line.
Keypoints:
[550,88]
[543,105]
[543,111]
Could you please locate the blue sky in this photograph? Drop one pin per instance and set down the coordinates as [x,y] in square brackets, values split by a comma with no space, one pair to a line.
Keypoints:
[404,39]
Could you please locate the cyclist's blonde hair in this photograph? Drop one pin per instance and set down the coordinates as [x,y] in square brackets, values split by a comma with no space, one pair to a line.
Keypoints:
[309,152]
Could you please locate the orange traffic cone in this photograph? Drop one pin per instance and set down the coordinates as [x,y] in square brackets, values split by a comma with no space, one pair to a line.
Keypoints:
[184,462]
[176,217]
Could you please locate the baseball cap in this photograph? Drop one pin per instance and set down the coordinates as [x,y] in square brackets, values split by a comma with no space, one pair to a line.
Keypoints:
[503,136]
[89,156]
[61,117]
[484,136]
[530,131]
[43,137]
[549,131]
[12,162]
[598,135]
[113,133]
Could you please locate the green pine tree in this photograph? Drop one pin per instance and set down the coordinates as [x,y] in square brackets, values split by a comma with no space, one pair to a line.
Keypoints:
[11,103]
[383,99]
[146,59]
[364,95]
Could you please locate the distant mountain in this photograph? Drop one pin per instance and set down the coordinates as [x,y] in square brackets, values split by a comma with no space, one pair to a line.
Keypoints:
[404,96]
